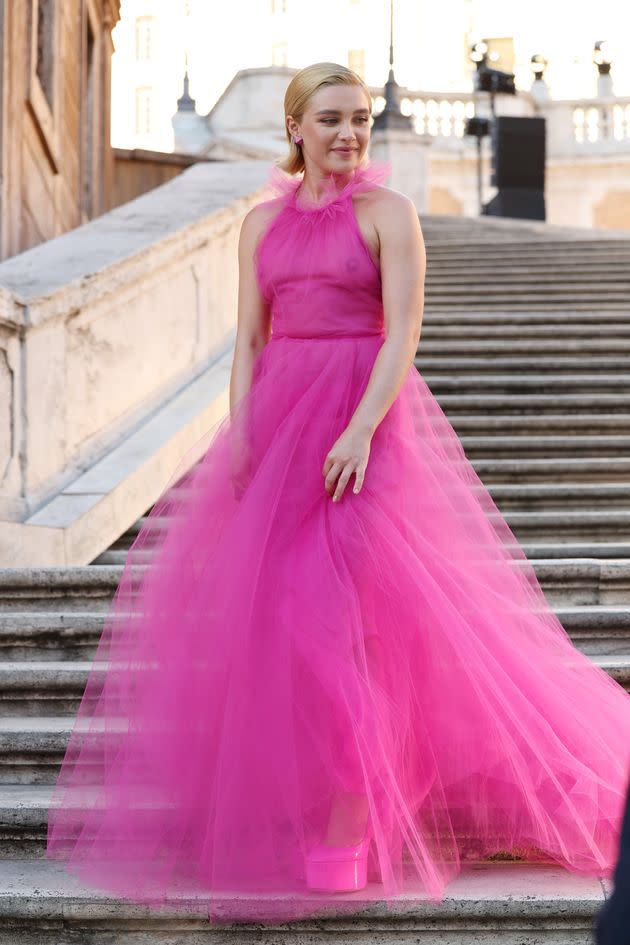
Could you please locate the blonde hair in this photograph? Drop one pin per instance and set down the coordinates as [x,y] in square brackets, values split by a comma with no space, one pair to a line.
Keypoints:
[301,88]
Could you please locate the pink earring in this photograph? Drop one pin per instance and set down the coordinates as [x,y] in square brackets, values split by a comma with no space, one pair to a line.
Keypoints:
[298,140]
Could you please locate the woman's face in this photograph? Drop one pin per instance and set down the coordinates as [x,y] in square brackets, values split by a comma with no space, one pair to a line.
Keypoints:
[336,117]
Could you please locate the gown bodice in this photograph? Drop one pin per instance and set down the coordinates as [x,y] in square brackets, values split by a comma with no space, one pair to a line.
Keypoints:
[313,265]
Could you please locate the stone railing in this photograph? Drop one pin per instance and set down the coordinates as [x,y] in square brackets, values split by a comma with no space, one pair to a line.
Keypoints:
[588,126]
[115,351]
[574,127]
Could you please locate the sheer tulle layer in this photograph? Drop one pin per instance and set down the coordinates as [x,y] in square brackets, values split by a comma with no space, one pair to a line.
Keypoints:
[269,650]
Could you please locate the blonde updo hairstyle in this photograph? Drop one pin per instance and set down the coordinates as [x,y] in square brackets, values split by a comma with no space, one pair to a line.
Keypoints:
[301,88]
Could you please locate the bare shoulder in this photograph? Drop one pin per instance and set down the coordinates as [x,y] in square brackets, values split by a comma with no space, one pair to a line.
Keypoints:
[392,209]
[389,210]
[256,221]
[388,219]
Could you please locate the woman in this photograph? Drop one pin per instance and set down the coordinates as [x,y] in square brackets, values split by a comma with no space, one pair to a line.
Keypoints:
[331,667]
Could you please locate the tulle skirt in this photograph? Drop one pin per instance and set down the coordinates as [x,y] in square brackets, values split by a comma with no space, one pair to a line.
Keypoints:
[269,652]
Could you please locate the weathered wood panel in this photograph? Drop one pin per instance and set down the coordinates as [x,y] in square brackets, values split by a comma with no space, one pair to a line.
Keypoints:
[56,161]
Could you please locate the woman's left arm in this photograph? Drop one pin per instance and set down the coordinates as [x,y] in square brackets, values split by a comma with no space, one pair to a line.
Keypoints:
[403,269]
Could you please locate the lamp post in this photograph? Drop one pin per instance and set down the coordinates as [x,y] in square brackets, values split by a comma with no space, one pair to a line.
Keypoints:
[391,116]
[603,60]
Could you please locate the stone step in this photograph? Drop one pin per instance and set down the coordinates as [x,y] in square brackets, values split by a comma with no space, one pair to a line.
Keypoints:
[544,470]
[24,811]
[539,253]
[74,636]
[576,551]
[38,689]
[558,366]
[561,497]
[455,284]
[538,267]
[56,636]
[21,590]
[533,404]
[494,903]
[530,256]
[528,383]
[537,283]
[42,687]
[524,241]
[518,302]
[584,320]
[64,591]
[509,336]
[60,589]
[558,522]
[439,346]
[517,425]
[546,447]
[32,746]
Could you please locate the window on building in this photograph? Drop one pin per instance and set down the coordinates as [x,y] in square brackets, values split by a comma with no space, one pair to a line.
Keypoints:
[356,61]
[145,28]
[144,111]
[280,54]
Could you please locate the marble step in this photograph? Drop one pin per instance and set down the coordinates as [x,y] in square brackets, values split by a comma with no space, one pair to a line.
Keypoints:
[547,447]
[59,590]
[510,338]
[534,470]
[438,345]
[533,265]
[571,497]
[531,257]
[519,302]
[508,384]
[63,591]
[574,552]
[561,262]
[558,366]
[507,331]
[37,689]
[612,520]
[517,245]
[533,405]
[569,550]
[499,281]
[32,746]
[581,424]
[75,635]
[24,819]
[489,903]
[569,320]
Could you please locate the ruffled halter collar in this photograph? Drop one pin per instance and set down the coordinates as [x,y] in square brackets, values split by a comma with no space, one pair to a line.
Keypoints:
[337,186]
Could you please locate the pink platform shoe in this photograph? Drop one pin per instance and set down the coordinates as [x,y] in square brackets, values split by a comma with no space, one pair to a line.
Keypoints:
[337,869]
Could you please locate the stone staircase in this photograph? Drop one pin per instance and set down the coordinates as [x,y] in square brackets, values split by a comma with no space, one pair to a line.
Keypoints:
[525,345]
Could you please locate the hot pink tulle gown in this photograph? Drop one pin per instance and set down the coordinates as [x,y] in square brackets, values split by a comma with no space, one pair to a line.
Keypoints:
[268,650]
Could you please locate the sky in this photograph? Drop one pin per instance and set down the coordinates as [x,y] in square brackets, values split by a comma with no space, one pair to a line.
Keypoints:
[431,39]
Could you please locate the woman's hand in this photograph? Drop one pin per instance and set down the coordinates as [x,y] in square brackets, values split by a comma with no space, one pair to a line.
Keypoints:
[349,454]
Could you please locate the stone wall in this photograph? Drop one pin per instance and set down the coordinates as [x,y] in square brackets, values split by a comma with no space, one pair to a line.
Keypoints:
[101,326]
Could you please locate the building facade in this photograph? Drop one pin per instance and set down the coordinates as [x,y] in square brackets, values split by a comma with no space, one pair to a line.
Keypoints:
[56,163]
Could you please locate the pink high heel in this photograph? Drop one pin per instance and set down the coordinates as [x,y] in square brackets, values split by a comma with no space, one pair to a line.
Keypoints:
[337,869]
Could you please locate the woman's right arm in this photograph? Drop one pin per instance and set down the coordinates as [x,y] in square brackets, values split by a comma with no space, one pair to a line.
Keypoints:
[254,318]
[252,334]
